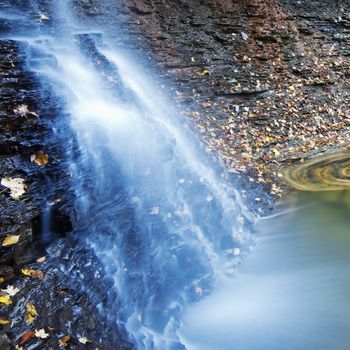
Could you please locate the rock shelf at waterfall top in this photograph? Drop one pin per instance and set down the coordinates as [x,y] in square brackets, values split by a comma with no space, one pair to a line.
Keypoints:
[266,83]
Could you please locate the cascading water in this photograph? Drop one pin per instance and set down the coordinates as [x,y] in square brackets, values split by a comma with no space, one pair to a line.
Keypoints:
[161,220]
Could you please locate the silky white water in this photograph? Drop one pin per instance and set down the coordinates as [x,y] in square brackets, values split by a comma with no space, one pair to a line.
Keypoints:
[157,213]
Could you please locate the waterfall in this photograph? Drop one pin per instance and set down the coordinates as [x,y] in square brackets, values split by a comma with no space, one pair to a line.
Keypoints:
[161,219]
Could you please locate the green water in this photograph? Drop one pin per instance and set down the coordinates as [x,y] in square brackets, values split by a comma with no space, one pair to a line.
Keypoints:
[292,292]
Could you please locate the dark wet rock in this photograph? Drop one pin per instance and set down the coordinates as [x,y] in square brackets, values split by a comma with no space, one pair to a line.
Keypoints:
[63,307]
[5,343]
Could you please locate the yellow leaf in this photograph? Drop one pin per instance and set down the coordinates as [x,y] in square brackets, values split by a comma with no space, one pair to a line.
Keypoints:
[31,314]
[276,152]
[29,318]
[26,272]
[204,72]
[246,58]
[5,300]
[4,321]
[2,279]
[40,260]
[31,309]
[245,155]
[10,239]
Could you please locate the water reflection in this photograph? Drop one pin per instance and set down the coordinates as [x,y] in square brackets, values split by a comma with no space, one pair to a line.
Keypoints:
[292,292]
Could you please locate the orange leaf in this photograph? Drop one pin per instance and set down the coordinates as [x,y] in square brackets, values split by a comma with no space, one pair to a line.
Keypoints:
[63,342]
[26,337]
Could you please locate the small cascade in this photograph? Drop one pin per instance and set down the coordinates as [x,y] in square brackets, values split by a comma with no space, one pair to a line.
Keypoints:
[155,210]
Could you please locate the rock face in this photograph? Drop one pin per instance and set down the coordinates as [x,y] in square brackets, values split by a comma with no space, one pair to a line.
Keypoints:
[26,130]
[28,114]
[265,81]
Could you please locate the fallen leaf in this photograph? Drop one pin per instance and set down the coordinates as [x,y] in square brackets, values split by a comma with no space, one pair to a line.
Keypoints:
[236,251]
[204,72]
[39,158]
[63,342]
[155,211]
[16,185]
[246,58]
[42,259]
[198,290]
[244,36]
[31,309]
[37,274]
[41,333]
[209,198]
[276,152]
[4,321]
[5,300]
[63,292]
[84,340]
[33,273]
[10,290]
[29,318]
[10,240]
[43,17]
[26,337]
[23,110]
[26,272]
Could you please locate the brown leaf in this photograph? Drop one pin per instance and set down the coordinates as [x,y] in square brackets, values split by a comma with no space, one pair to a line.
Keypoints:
[63,342]
[26,337]
[33,273]
[39,158]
